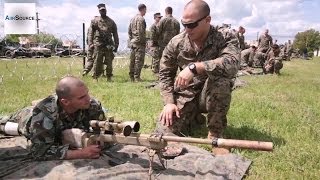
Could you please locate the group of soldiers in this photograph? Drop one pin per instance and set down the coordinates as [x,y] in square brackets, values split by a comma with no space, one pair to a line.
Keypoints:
[197,72]
[266,54]
[103,42]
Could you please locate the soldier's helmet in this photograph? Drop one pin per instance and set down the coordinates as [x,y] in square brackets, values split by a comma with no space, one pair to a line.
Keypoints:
[101,6]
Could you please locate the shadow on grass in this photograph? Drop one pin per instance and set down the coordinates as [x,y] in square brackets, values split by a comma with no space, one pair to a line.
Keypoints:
[242,133]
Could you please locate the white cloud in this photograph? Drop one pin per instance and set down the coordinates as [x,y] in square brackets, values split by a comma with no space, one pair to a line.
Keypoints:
[282,17]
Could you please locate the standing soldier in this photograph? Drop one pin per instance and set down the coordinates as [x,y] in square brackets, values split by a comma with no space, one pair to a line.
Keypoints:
[264,42]
[240,36]
[103,37]
[168,28]
[155,49]
[137,40]
[288,49]
[90,58]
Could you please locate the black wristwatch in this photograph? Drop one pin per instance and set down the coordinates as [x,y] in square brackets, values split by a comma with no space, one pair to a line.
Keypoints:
[193,68]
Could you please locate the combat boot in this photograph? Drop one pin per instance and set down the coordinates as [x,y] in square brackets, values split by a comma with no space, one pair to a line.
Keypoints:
[84,73]
[132,79]
[217,151]
[109,79]
[138,79]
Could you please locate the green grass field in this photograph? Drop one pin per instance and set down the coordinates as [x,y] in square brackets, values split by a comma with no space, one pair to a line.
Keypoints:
[283,109]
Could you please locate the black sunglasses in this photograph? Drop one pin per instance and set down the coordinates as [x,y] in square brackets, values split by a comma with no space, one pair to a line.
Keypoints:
[194,24]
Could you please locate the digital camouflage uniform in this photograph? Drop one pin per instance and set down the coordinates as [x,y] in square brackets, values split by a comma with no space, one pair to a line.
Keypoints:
[247,56]
[137,38]
[168,28]
[265,42]
[155,49]
[104,37]
[273,63]
[43,125]
[240,37]
[288,50]
[259,59]
[209,92]
[90,58]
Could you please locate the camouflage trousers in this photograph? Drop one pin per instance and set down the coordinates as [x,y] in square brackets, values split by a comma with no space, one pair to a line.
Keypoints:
[216,105]
[156,56]
[89,61]
[103,56]
[262,49]
[22,117]
[136,61]
[273,66]
[259,59]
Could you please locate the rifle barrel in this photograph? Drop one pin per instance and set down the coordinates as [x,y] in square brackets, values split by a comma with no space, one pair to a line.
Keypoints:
[229,143]
[147,140]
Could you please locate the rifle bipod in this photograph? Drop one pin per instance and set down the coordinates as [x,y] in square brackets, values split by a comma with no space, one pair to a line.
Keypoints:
[151,153]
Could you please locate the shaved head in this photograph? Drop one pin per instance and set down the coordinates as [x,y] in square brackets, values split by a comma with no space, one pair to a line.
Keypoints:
[202,7]
[67,85]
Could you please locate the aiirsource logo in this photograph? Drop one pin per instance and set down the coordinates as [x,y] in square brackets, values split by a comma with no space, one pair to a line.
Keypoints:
[19,18]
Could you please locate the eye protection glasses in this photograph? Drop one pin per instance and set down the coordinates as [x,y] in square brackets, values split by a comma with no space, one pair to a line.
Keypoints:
[193,24]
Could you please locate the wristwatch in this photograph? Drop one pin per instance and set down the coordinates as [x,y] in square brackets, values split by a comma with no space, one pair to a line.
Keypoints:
[192,67]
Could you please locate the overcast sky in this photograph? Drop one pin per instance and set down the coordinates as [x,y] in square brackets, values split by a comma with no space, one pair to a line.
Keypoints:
[283,18]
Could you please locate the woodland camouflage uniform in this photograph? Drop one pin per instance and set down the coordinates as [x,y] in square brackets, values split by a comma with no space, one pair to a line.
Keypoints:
[43,125]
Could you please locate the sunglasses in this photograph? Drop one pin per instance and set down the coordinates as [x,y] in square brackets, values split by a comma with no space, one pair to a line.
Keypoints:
[194,24]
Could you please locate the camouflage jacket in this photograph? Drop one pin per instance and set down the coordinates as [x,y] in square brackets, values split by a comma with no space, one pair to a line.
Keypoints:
[137,31]
[154,34]
[265,41]
[241,40]
[47,122]
[103,32]
[273,56]
[221,58]
[168,28]
[247,55]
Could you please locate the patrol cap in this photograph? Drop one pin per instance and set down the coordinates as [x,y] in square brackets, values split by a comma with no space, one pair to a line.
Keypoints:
[101,6]
[157,15]
[275,46]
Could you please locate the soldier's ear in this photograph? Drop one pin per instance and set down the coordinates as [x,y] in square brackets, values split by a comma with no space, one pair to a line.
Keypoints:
[208,19]
[64,101]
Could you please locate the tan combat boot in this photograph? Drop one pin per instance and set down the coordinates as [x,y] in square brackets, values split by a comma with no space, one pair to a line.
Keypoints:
[217,151]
